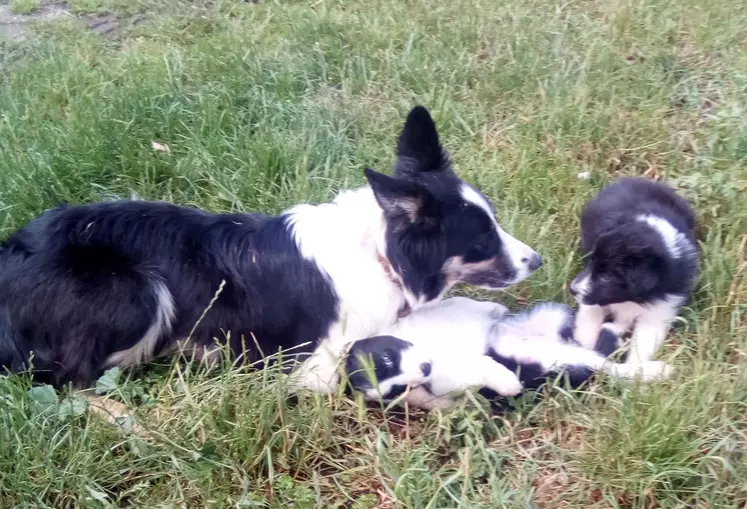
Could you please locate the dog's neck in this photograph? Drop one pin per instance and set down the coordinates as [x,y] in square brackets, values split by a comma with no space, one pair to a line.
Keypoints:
[405,309]
[346,238]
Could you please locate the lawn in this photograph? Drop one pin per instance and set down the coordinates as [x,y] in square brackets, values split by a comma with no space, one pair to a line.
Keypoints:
[241,106]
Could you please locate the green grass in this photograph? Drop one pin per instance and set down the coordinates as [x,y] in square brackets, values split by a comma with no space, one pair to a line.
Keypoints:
[265,105]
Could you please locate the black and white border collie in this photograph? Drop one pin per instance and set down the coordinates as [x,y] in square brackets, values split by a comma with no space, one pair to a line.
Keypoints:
[439,351]
[638,237]
[85,288]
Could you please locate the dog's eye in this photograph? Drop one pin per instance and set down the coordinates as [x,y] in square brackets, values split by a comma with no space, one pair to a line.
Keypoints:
[604,278]
[485,247]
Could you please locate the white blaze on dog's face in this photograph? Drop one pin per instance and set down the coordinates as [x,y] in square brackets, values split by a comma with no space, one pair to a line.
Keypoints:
[439,229]
[519,259]
[383,367]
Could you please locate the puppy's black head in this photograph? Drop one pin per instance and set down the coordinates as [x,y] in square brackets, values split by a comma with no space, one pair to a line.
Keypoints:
[627,263]
[384,366]
[439,229]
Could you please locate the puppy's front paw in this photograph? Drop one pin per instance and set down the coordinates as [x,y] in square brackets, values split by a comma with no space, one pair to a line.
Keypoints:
[505,382]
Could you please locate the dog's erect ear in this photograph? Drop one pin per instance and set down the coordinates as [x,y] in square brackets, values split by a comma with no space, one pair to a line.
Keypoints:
[401,199]
[419,149]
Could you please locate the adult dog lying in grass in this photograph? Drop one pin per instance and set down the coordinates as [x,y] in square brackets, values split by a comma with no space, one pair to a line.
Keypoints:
[457,344]
[85,288]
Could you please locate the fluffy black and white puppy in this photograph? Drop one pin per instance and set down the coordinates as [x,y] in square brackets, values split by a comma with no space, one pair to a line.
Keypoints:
[638,237]
[443,349]
[85,288]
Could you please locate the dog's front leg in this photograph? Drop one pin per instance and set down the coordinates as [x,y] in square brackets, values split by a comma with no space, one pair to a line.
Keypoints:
[649,334]
[651,329]
[497,377]
[589,320]
[318,373]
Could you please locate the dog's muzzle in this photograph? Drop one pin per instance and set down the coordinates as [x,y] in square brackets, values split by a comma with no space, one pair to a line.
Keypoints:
[579,286]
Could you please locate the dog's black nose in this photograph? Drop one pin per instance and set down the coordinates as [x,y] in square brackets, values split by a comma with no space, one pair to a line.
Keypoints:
[426,368]
[535,262]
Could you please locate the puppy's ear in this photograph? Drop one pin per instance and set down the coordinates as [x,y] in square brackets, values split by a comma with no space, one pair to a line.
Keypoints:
[400,199]
[419,148]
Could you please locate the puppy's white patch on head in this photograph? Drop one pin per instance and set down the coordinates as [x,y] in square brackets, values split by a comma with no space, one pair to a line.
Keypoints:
[411,372]
[411,364]
[674,240]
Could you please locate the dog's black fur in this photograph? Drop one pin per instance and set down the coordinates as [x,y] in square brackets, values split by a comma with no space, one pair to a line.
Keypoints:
[628,260]
[86,287]
[638,237]
[77,284]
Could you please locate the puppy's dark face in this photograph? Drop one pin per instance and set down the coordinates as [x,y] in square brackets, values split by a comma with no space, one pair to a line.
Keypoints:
[384,366]
[625,265]
[439,229]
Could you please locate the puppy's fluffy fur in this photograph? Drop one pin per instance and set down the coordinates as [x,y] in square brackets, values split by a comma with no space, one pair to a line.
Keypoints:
[638,237]
[85,288]
[445,348]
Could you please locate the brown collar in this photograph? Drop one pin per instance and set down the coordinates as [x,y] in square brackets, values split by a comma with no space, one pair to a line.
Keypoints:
[405,309]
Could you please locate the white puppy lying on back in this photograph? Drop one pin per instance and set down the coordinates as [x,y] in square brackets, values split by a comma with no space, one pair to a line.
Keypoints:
[459,343]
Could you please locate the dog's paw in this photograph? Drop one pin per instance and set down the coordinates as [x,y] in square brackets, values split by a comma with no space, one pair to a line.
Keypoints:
[505,382]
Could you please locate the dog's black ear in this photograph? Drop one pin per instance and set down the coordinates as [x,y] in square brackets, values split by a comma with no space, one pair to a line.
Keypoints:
[419,149]
[401,199]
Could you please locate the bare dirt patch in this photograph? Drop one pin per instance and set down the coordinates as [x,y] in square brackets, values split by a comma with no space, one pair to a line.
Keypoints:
[17,27]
